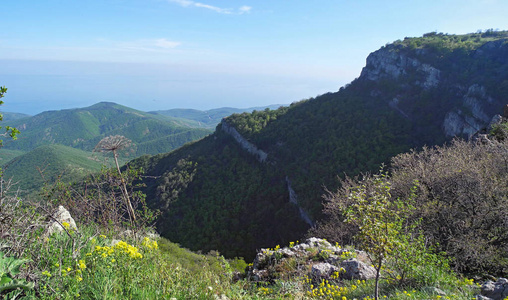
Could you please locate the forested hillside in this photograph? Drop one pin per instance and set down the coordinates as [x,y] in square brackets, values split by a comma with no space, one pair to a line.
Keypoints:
[215,194]
[60,143]
[207,118]
[50,163]
[83,128]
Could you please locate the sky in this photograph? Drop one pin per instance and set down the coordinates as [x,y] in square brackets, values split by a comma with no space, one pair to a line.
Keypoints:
[204,54]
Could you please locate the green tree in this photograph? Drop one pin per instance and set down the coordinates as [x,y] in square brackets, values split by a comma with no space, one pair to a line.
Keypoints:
[9,131]
[380,221]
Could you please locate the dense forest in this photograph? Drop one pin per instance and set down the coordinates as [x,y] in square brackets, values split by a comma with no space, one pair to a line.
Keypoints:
[420,91]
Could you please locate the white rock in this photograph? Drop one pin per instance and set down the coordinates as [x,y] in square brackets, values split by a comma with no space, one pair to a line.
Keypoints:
[62,215]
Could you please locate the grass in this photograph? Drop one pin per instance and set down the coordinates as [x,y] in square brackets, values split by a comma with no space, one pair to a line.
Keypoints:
[92,265]
[96,264]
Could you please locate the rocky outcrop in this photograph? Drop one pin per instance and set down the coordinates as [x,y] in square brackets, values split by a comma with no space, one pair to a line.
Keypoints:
[61,219]
[325,271]
[495,290]
[471,117]
[355,269]
[466,110]
[324,261]
[293,198]
[260,155]
[389,63]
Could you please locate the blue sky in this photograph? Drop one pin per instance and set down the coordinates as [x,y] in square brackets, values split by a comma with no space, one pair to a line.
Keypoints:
[162,54]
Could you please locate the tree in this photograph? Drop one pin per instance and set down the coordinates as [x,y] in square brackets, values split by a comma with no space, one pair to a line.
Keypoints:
[9,131]
[380,221]
[115,143]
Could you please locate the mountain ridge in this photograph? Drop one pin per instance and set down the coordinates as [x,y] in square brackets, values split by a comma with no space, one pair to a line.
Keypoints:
[402,105]
[83,127]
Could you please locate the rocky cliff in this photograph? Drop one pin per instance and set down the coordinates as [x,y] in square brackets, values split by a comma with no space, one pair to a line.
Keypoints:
[260,155]
[469,97]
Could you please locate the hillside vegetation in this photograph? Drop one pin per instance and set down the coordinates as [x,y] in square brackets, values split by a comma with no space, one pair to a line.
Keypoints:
[101,260]
[83,128]
[60,142]
[207,118]
[215,194]
[417,228]
[50,163]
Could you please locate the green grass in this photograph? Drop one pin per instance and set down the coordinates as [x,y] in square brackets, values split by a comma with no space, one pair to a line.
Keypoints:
[98,262]
[92,265]
[130,269]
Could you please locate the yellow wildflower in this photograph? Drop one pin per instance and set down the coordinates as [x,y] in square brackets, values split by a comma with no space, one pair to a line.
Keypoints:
[66,225]
[82,264]
[46,273]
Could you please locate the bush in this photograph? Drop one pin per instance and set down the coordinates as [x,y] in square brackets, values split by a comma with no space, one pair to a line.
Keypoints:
[462,201]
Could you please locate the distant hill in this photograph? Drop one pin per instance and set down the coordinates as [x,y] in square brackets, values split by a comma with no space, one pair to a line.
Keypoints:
[258,180]
[83,128]
[7,155]
[8,116]
[208,118]
[51,162]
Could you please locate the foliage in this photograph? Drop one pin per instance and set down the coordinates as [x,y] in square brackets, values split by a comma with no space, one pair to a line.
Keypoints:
[460,206]
[208,118]
[100,199]
[291,277]
[384,231]
[9,131]
[83,128]
[351,131]
[462,200]
[130,268]
[103,262]
[47,164]
[174,182]
[114,144]
[500,131]
[9,268]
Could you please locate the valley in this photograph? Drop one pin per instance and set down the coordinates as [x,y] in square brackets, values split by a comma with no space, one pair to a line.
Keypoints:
[403,170]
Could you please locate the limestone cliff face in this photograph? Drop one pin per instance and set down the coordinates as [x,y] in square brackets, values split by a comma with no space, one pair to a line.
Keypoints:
[388,63]
[293,198]
[260,155]
[471,117]
[465,104]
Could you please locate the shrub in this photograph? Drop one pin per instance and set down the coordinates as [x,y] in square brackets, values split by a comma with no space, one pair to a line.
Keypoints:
[462,201]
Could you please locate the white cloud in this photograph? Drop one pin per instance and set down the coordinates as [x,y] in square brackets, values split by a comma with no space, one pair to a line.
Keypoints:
[245,9]
[186,3]
[163,43]
[214,8]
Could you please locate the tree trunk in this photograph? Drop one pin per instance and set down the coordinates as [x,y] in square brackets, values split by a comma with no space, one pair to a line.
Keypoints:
[378,273]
